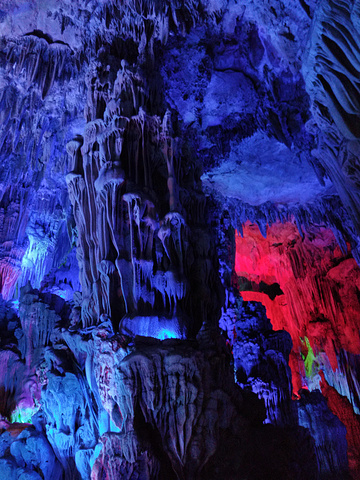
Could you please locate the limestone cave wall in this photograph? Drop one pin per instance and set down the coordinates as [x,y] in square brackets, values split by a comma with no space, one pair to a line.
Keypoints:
[179,239]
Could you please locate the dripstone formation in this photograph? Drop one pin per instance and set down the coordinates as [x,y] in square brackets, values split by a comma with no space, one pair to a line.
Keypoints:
[179,240]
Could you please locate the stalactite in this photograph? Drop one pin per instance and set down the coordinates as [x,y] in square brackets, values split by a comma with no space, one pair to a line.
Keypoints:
[330,69]
[43,63]
[143,138]
[313,275]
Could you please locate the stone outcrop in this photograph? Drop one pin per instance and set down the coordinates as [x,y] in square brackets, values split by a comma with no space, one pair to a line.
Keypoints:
[179,239]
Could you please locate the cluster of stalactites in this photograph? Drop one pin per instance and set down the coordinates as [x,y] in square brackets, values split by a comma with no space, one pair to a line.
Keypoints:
[331,71]
[329,211]
[261,357]
[127,256]
[333,65]
[152,20]
[43,62]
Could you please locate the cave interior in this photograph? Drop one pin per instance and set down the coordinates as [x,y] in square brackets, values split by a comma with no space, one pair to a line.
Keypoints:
[180,239]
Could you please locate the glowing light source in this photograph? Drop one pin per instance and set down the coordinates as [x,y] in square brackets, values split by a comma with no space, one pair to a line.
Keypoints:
[153,326]
[165,333]
[309,359]
[24,414]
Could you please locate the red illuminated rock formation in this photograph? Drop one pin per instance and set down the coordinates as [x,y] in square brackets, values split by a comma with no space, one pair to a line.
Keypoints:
[310,289]
[319,283]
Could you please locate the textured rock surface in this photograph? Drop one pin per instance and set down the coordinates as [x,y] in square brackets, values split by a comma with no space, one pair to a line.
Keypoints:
[328,432]
[29,456]
[310,289]
[179,407]
[136,140]
[261,362]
